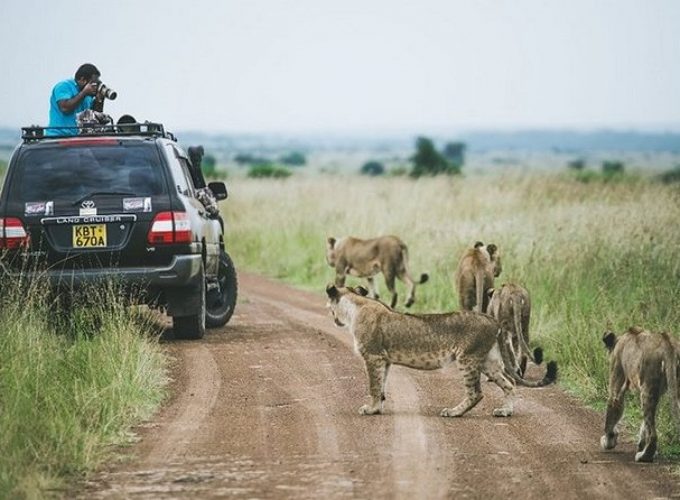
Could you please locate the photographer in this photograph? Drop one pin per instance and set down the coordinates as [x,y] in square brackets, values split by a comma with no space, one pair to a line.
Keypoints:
[72,96]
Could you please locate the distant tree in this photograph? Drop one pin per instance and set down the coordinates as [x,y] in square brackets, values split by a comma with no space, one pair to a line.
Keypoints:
[577,164]
[373,168]
[610,168]
[294,159]
[454,152]
[428,161]
[671,176]
[263,170]
[248,159]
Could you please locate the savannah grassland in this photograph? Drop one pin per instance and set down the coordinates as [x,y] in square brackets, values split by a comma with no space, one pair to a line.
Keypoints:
[594,255]
[71,386]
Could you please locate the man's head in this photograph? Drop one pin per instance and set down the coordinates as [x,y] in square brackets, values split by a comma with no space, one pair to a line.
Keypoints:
[87,73]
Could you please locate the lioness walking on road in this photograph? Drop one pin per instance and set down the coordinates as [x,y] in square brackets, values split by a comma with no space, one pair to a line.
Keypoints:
[511,306]
[426,342]
[646,362]
[366,258]
[475,274]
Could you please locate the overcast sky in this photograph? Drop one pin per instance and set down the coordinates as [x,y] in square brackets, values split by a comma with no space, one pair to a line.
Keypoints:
[366,65]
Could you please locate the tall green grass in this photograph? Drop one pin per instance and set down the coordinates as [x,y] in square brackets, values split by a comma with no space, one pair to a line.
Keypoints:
[593,255]
[70,387]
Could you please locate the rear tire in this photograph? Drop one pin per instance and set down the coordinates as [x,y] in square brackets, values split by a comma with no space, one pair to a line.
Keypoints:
[193,327]
[222,301]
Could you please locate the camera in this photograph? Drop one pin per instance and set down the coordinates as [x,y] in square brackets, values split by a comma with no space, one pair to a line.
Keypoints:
[105,92]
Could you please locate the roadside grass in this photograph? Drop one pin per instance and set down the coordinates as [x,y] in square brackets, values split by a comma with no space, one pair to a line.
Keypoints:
[594,256]
[70,389]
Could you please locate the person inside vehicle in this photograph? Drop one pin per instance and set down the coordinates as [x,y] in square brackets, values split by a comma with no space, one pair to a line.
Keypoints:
[71,97]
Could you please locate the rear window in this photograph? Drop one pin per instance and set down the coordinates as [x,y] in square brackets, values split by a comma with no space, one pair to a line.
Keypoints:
[68,172]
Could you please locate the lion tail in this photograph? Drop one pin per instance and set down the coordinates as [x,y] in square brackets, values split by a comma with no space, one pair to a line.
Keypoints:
[549,377]
[537,355]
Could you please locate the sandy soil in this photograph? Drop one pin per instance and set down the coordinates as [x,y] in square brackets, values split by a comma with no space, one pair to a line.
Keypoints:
[267,407]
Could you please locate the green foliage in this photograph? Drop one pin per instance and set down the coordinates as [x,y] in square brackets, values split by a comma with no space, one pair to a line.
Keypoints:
[578,164]
[428,161]
[264,170]
[454,152]
[611,168]
[671,176]
[70,389]
[294,159]
[248,159]
[372,168]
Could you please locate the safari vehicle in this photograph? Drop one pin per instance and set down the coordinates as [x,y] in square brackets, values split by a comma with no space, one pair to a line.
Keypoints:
[119,204]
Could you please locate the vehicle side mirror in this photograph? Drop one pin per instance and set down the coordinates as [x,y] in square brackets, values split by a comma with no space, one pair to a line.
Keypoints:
[219,189]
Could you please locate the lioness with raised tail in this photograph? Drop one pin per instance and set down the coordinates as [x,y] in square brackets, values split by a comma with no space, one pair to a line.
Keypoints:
[366,258]
[384,337]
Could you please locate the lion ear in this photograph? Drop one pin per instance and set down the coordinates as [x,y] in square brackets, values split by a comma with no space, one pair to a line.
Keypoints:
[609,339]
[479,244]
[360,290]
[332,292]
[491,248]
[331,242]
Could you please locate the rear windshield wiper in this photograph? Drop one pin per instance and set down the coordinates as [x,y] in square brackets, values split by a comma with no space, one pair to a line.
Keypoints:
[102,193]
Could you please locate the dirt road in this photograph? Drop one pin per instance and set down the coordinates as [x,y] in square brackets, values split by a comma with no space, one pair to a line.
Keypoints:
[268,408]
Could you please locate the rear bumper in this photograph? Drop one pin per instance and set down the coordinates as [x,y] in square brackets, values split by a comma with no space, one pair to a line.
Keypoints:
[184,270]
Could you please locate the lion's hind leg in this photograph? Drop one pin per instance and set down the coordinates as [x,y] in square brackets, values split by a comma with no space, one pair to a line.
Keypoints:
[615,405]
[471,369]
[649,399]
[494,369]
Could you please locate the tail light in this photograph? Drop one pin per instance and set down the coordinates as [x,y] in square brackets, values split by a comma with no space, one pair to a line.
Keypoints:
[13,234]
[170,227]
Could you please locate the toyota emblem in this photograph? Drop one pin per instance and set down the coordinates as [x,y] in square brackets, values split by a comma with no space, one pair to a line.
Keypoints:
[87,204]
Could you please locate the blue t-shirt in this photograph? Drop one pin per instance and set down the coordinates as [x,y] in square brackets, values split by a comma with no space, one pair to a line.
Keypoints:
[66,89]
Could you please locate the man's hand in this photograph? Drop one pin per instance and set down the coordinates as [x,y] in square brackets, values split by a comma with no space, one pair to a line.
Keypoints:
[91,88]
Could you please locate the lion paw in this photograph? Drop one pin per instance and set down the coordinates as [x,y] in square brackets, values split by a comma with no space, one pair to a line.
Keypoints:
[502,412]
[608,441]
[451,412]
[370,410]
[644,456]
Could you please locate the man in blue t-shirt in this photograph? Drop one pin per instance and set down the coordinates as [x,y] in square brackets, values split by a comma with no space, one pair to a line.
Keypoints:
[70,97]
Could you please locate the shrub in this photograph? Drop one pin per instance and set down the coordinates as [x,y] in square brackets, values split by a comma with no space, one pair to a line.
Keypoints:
[578,164]
[268,170]
[248,159]
[428,161]
[294,159]
[372,168]
[454,152]
[610,168]
[671,176]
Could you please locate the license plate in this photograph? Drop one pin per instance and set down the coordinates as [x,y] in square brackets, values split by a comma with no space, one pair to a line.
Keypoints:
[89,236]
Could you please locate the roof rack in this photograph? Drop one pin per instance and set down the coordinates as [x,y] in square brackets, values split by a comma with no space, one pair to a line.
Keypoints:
[147,129]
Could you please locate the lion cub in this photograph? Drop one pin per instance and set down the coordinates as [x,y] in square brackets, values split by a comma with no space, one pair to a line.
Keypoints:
[366,258]
[475,274]
[426,342]
[511,306]
[646,362]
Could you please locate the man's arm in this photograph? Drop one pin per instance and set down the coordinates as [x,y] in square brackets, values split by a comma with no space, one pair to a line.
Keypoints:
[69,105]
